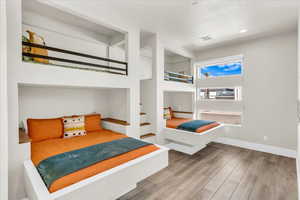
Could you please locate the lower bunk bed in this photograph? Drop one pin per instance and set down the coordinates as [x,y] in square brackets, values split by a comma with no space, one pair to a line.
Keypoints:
[102,164]
[190,136]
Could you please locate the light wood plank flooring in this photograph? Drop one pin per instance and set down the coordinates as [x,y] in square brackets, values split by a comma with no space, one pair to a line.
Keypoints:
[221,172]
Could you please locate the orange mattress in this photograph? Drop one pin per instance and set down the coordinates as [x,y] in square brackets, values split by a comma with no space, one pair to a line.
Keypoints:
[175,122]
[45,149]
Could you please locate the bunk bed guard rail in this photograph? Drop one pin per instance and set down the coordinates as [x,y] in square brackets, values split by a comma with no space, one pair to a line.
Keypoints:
[97,67]
[172,76]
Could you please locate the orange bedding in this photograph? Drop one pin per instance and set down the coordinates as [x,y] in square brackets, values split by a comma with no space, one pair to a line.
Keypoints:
[175,122]
[47,148]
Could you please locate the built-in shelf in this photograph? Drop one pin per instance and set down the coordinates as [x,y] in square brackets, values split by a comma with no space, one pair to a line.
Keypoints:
[116,121]
[142,113]
[214,112]
[183,112]
[23,137]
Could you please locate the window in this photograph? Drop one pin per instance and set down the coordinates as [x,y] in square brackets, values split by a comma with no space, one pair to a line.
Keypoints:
[221,93]
[225,69]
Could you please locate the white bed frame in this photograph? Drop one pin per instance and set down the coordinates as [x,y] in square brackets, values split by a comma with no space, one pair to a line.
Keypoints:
[108,185]
[190,142]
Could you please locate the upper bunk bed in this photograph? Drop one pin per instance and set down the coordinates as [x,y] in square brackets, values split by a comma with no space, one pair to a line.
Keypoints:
[178,73]
[58,38]
[177,68]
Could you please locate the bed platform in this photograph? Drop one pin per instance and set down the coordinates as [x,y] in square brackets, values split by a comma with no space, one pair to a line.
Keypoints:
[107,185]
[107,180]
[186,141]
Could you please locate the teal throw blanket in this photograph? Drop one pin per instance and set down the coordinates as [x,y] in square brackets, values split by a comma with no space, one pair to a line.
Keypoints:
[63,164]
[193,125]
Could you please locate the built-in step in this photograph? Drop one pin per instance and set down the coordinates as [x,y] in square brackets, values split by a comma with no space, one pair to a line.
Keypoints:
[147,135]
[145,124]
[143,117]
[145,128]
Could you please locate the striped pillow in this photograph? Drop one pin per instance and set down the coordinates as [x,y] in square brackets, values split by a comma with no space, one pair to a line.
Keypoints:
[74,126]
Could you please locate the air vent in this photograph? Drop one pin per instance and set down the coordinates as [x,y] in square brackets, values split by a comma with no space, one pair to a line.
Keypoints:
[206,38]
[195,2]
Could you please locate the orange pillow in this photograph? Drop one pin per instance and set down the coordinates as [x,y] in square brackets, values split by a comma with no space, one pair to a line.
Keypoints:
[45,129]
[93,122]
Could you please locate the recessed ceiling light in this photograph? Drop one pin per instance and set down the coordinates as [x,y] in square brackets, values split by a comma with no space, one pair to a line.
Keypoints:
[244,31]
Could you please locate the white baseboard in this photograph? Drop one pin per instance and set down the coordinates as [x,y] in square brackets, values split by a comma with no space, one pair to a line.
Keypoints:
[258,147]
[298,175]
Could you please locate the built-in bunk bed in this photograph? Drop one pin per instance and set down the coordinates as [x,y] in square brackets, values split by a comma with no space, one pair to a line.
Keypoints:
[68,161]
[177,68]
[55,38]
[181,131]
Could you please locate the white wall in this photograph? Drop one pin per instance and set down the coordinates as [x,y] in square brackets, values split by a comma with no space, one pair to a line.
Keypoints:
[179,101]
[147,100]
[177,64]
[146,67]
[269,90]
[49,102]
[3,104]
[116,104]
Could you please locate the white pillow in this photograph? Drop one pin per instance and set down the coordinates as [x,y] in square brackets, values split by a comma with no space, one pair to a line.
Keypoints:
[25,125]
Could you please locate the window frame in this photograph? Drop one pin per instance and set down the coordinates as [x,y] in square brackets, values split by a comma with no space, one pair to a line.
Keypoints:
[220,61]
[239,99]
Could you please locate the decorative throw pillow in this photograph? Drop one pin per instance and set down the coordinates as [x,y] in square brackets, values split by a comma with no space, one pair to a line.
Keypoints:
[37,39]
[167,113]
[74,126]
[26,49]
[93,122]
[44,129]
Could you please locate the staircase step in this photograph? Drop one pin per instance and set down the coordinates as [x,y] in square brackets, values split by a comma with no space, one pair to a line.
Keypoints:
[143,118]
[145,124]
[147,135]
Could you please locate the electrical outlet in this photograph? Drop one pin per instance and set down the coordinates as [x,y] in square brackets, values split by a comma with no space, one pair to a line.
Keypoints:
[265,138]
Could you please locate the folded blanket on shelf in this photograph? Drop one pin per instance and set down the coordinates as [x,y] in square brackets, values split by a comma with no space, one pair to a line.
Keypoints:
[193,125]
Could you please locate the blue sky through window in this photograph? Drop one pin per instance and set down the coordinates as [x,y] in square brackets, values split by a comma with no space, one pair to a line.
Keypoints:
[234,68]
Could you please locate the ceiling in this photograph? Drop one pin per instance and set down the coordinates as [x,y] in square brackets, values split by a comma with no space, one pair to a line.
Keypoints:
[184,22]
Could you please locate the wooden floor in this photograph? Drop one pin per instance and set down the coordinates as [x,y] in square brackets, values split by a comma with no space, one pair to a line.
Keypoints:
[221,172]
